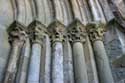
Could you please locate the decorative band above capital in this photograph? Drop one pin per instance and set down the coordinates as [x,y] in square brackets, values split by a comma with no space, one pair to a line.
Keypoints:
[37,32]
[96,31]
[57,31]
[77,32]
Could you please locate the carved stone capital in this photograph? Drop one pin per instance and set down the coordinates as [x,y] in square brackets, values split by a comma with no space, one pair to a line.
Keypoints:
[57,31]
[96,31]
[77,32]
[37,32]
[16,33]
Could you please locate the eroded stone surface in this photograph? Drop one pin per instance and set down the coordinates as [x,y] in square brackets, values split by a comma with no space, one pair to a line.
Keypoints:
[46,11]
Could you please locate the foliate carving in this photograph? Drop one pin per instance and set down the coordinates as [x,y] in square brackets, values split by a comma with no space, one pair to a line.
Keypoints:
[77,32]
[57,32]
[37,32]
[16,32]
[96,31]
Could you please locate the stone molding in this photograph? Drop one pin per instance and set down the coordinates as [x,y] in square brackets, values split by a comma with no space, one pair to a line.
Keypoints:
[95,31]
[77,32]
[36,32]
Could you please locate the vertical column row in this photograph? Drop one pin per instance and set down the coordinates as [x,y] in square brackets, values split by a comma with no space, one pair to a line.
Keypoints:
[40,67]
[22,68]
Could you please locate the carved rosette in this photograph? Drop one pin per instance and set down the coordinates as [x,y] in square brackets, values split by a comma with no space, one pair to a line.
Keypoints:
[16,33]
[57,32]
[77,32]
[37,32]
[96,31]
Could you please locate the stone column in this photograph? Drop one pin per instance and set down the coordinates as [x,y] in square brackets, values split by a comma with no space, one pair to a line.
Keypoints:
[36,33]
[23,64]
[90,61]
[57,34]
[78,37]
[68,63]
[96,33]
[16,38]
[34,68]
[57,63]
[45,71]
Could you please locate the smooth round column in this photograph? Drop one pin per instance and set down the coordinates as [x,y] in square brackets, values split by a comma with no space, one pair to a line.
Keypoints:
[12,63]
[68,63]
[36,32]
[45,69]
[57,32]
[17,37]
[23,65]
[96,32]
[104,70]
[34,67]
[90,61]
[57,63]
[80,68]
[48,61]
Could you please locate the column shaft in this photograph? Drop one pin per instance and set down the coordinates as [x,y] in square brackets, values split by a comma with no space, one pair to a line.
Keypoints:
[23,65]
[48,60]
[57,63]
[68,63]
[34,68]
[90,61]
[96,32]
[37,33]
[12,63]
[102,61]
[79,63]
[45,68]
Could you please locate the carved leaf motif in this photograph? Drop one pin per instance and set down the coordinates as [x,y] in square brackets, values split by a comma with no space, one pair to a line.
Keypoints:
[57,31]
[36,32]
[16,32]
[77,32]
[96,31]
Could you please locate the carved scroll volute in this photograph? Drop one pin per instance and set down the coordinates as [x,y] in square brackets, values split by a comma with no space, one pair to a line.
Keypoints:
[57,32]
[16,33]
[77,32]
[96,31]
[37,32]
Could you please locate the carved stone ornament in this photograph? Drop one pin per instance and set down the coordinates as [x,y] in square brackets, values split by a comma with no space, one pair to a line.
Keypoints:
[57,31]
[36,32]
[16,32]
[77,32]
[96,31]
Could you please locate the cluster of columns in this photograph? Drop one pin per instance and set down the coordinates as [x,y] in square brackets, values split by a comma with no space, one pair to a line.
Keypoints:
[61,60]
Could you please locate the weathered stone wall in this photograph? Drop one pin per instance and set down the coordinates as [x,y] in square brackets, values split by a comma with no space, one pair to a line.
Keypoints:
[115,49]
